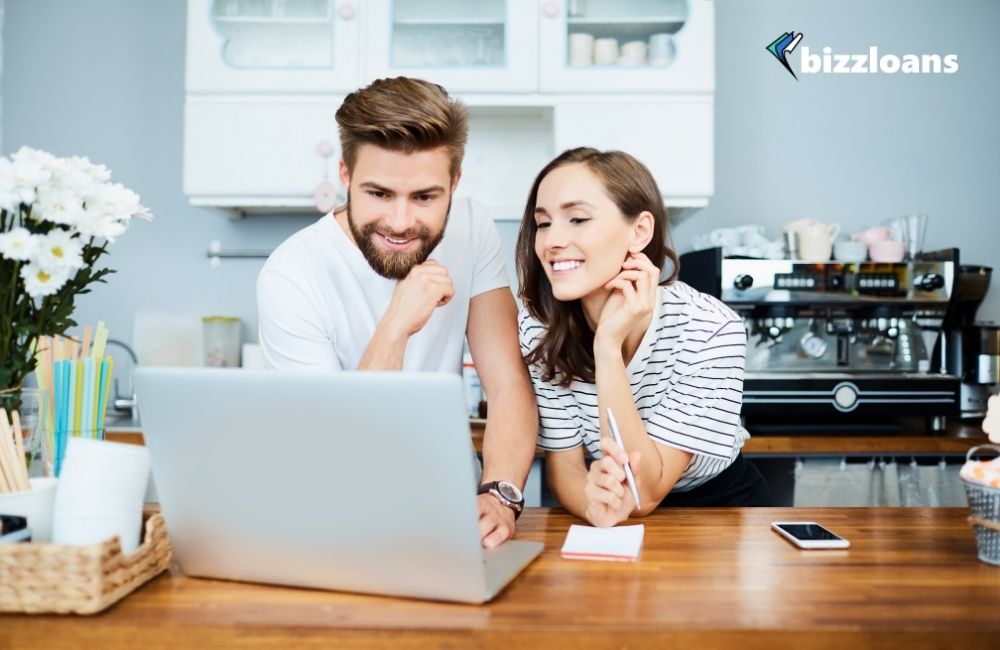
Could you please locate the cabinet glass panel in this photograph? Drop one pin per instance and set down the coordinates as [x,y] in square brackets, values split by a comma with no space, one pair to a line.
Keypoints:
[633,33]
[275,33]
[448,33]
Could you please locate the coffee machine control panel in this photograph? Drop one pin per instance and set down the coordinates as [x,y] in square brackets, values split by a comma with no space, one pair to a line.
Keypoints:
[790,281]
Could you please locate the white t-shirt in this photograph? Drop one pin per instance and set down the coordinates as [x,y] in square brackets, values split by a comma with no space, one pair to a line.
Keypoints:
[319,301]
[687,381]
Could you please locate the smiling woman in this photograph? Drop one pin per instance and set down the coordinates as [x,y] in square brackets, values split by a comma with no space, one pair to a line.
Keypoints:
[603,332]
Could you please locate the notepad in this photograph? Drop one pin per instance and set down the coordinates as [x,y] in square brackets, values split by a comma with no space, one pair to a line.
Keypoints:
[619,544]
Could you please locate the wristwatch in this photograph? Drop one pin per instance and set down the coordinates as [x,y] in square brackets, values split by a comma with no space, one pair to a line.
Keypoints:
[507,493]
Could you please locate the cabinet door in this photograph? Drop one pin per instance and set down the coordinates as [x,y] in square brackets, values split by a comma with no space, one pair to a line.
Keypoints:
[672,137]
[272,46]
[480,46]
[260,152]
[637,46]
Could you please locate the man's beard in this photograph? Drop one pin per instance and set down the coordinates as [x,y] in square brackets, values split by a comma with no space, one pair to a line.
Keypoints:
[394,266]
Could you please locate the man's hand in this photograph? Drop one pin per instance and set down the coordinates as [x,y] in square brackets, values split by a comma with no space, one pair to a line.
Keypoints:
[426,287]
[496,521]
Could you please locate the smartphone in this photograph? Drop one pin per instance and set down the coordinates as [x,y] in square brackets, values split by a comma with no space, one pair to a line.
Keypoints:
[809,534]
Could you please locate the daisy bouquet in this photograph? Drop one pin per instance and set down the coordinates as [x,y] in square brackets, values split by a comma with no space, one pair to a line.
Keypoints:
[57,218]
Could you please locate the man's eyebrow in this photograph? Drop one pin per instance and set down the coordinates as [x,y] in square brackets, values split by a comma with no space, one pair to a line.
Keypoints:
[376,186]
[429,190]
[381,188]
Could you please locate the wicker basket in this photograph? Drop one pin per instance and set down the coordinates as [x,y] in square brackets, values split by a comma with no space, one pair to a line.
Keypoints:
[59,579]
[984,514]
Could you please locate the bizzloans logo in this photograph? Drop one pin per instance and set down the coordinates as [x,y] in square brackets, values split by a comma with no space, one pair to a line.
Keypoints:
[871,63]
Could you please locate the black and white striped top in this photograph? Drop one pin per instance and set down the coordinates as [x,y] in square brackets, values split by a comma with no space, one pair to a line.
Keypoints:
[687,380]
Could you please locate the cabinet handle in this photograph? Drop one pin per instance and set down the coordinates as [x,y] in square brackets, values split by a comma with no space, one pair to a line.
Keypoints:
[346,10]
[551,9]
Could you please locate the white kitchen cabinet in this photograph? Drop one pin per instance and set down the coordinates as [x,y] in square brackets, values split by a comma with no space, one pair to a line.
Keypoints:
[673,137]
[682,60]
[482,46]
[265,78]
[272,46]
[486,46]
[258,153]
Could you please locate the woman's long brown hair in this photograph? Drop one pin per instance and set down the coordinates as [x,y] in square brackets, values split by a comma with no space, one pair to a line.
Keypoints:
[565,350]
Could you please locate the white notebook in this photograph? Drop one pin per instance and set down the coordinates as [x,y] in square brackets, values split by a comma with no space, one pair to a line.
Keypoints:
[618,544]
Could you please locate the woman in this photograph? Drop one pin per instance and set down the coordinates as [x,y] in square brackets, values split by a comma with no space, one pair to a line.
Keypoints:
[599,330]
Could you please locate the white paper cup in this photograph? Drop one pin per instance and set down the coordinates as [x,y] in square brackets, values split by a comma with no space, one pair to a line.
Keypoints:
[634,50]
[35,505]
[100,477]
[606,51]
[581,49]
[95,528]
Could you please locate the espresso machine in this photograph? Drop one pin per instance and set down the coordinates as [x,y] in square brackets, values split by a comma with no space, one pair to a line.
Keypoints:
[968,348]
[837,346]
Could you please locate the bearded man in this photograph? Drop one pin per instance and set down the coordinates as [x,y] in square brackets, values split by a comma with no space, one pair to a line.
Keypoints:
[401,275]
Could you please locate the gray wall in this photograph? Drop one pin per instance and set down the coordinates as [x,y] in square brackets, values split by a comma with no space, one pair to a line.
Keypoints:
[105,78]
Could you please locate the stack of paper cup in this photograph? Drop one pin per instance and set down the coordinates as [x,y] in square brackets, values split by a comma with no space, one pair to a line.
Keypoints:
[581,49]
[605,51]
[100,493]
[633,53]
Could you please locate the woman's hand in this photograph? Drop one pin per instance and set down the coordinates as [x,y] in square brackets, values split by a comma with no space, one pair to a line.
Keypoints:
[633,296]
[609,499]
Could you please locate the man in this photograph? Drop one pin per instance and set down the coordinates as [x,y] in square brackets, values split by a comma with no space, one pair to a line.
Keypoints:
[378,284]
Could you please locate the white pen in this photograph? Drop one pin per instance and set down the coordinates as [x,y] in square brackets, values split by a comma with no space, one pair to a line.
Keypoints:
[629,477]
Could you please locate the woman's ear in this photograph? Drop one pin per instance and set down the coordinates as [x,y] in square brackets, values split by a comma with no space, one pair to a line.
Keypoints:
[642,232]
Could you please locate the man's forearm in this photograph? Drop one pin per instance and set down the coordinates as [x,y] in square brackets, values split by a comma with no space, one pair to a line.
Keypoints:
[385,350]
[511,435]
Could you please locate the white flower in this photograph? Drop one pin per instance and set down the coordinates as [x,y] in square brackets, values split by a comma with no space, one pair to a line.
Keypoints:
[59,251]
[38,282]
[95,224]
[97,173]
[31,170]
[18,244]
[115,201]
[58,205]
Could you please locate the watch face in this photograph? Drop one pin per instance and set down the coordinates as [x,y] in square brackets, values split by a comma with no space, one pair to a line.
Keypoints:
[509,491]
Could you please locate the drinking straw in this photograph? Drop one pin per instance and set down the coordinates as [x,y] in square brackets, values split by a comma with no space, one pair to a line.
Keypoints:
[100,340]
[77,396]
[87,403]
[102,398]
[88,333]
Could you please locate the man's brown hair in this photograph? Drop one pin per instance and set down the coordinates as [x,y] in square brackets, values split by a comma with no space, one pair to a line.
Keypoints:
[405,115]
[565,350]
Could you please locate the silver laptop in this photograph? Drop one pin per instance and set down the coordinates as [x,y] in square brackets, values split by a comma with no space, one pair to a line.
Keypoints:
[352,481]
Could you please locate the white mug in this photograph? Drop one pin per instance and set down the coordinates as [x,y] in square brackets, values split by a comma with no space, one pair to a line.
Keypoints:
[661,49]
[816,241]
[581,49]
[605,51]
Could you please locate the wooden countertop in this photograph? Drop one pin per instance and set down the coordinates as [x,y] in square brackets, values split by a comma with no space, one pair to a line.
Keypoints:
[705,579]
[957,439]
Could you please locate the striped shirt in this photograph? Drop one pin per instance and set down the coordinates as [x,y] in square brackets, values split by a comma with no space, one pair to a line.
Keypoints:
[687,381]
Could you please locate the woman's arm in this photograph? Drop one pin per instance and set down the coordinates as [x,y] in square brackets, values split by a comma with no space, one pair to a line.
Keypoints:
[661,465]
